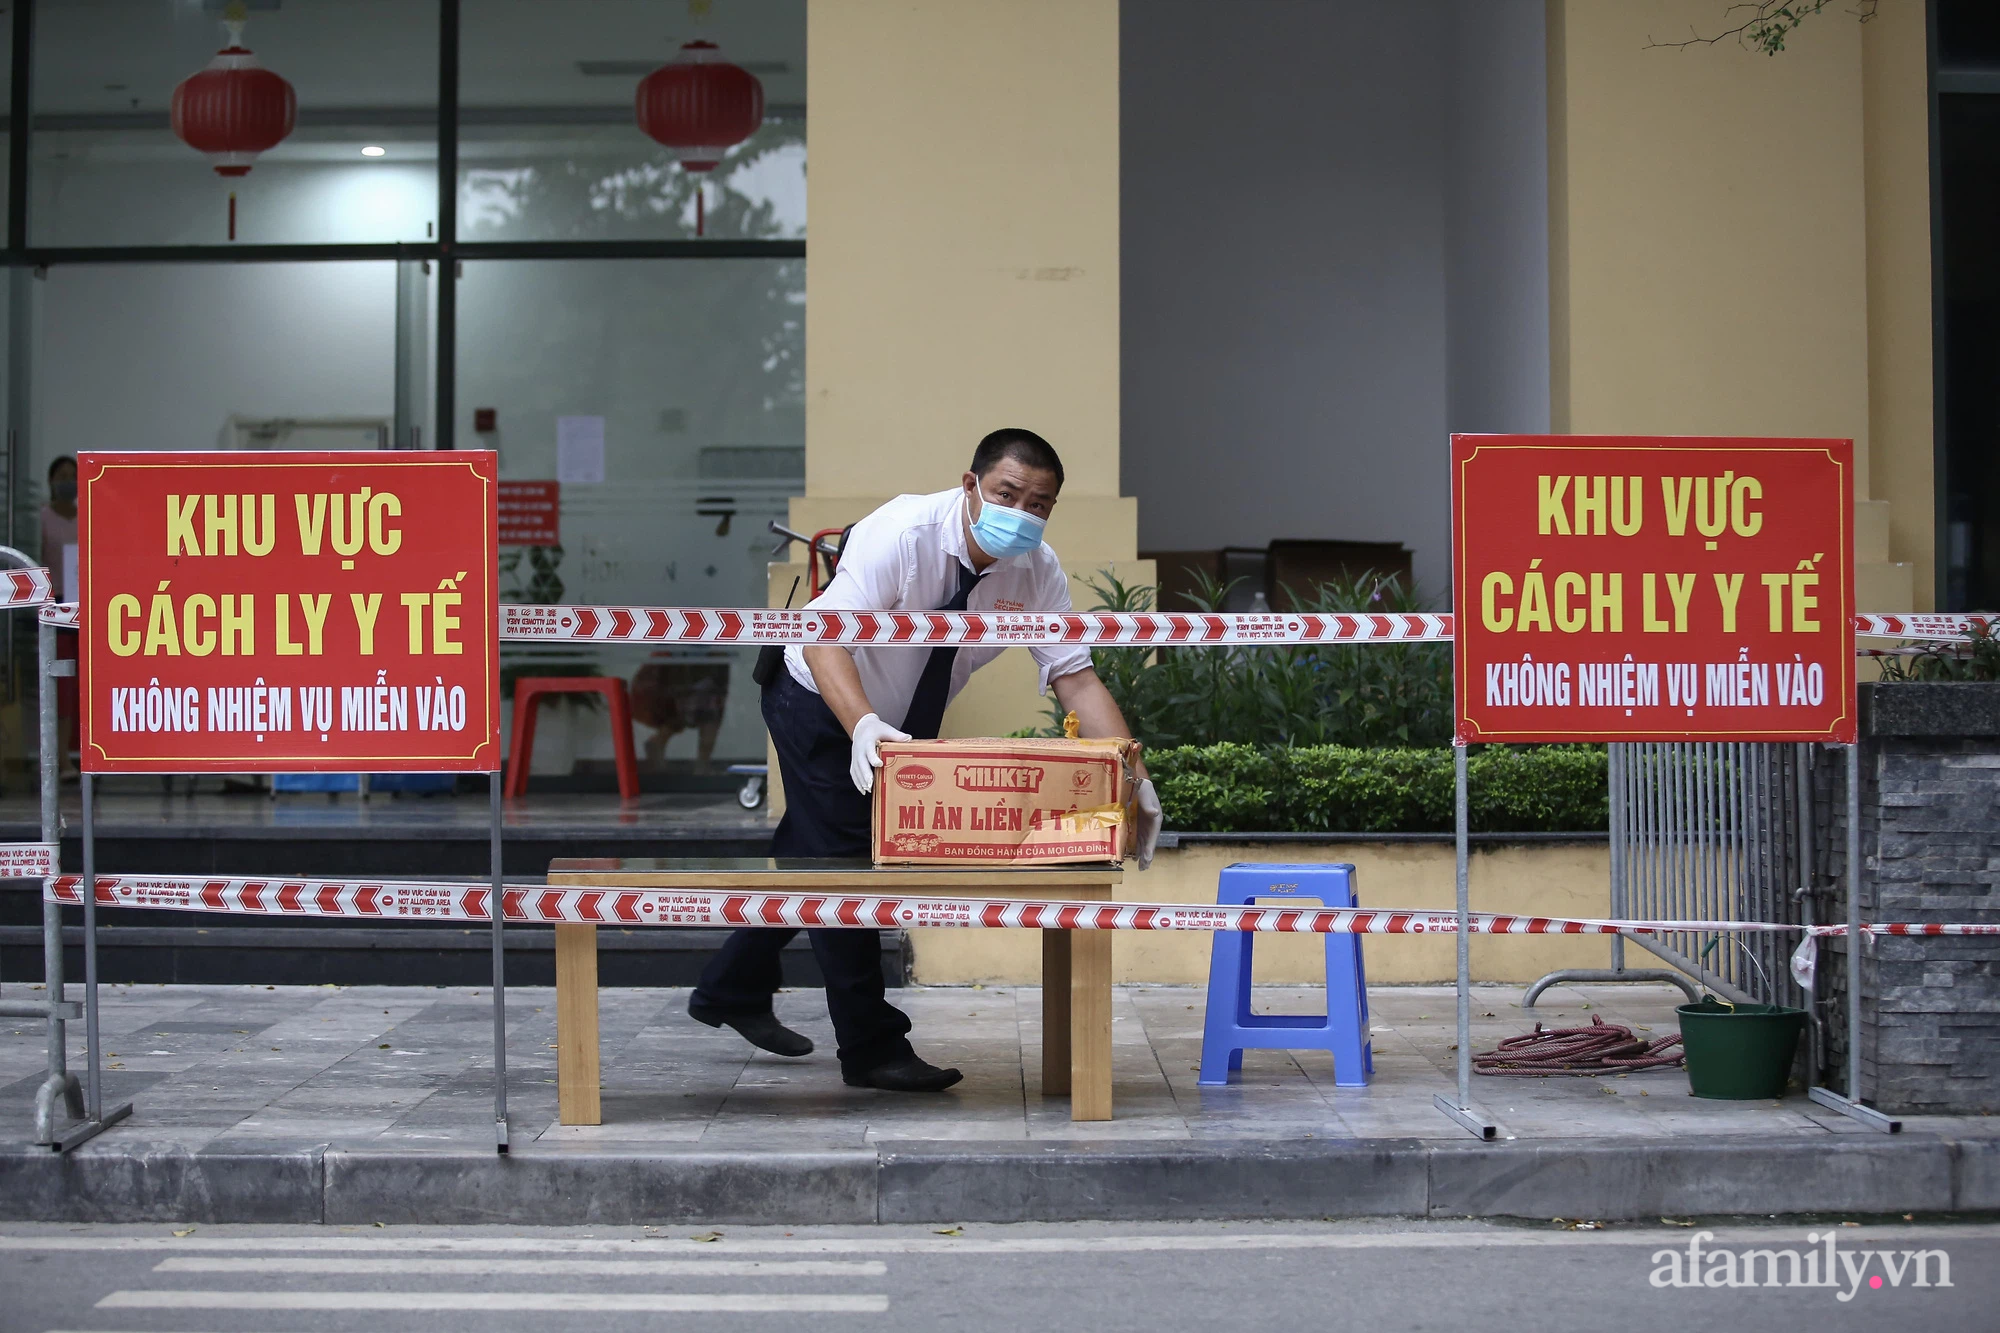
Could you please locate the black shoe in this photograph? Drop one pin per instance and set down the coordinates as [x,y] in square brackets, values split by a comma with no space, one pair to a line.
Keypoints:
[909,1074]
[763,1031]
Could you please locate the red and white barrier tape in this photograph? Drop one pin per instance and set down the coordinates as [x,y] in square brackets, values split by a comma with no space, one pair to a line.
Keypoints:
[642,624]
[1933,628]
[446,900]
[24,587]
[28,860]
[653,624]
[688,625]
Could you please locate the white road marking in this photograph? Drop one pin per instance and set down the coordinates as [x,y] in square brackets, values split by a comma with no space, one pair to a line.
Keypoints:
[537,1267]
[553,1302]
[666,1246]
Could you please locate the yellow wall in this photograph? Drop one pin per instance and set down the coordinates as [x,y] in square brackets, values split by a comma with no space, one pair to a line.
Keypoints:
[963,267]
[1563,879]
[962,274]
[1896,139]
[1715,247]
[1739,244]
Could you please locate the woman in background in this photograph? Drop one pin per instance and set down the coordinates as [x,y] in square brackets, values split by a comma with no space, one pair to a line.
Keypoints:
[59,531]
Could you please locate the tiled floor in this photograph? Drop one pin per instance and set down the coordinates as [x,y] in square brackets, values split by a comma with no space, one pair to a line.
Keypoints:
[258,1068]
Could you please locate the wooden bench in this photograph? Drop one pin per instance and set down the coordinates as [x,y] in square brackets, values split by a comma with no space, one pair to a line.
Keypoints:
[1076,965]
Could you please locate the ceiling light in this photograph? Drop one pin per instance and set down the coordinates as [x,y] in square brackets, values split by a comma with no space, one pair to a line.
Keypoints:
[373,150]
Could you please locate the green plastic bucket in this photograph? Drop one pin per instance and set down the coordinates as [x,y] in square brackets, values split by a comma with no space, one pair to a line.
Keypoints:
[1742,1053]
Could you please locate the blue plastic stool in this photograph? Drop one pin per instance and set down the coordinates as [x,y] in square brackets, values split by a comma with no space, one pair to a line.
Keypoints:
[1230,1028]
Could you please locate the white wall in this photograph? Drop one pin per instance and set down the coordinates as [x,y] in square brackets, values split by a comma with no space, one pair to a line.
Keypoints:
[1331,258]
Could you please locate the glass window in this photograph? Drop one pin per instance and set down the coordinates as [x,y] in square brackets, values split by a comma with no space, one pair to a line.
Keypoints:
[6,83]
[549,143]
[1969,290]
[1968,34]
[200,356]
[213,356]
[359,164]
[666,399]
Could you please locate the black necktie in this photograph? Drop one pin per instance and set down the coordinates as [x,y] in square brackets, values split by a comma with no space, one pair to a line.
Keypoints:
[926,713]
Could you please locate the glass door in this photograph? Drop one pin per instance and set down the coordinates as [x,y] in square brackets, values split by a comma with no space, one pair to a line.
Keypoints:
[660,403]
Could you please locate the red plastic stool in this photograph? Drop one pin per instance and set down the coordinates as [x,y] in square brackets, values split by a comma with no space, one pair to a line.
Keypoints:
[528,692]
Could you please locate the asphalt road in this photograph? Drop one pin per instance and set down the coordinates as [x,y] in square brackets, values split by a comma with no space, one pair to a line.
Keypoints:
[1147,1278]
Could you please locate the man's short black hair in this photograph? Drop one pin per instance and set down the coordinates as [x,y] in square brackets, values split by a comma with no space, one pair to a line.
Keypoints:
[58,463]
[1024,446]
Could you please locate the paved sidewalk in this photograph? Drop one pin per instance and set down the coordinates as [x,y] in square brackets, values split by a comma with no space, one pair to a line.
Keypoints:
[357,1067]
[298,1078]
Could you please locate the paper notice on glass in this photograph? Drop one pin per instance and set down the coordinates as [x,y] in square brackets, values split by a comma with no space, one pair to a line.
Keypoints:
[580,451]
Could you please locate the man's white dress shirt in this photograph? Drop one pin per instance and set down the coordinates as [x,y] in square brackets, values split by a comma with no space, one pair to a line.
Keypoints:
[906,556]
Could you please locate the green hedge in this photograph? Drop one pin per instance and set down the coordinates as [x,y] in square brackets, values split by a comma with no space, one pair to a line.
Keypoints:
[1232,788]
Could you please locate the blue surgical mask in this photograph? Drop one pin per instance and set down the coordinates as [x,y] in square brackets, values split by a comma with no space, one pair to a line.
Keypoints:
[1002,532]
[63,492]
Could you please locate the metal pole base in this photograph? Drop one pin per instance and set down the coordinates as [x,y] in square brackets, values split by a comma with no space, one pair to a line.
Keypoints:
[90,1129]
[66,1087]
[1609,974]
[1867,1115]
[1470,1118]
[498,912]
[66,1010]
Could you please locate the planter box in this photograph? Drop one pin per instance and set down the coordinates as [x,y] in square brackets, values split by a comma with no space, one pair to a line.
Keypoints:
[1930,842]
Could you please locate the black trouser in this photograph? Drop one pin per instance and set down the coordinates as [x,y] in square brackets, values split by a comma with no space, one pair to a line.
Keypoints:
[824,816]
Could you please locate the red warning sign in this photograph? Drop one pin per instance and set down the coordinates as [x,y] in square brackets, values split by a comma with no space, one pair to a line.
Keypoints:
[289,612]
[530,513]
[1653,588]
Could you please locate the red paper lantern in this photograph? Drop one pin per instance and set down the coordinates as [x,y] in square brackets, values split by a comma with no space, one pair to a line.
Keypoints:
[701,106]
[234,109]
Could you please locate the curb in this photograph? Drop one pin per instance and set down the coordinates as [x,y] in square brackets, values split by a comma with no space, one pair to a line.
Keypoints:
[37,1185]
[1013,1182]
[567,1187]
[1010,1181]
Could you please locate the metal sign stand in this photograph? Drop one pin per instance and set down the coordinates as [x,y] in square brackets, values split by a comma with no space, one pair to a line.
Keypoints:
[60,1010]
[85,1104]
[1469,1116]
[1850,1104]
[498,911]
[98,1119]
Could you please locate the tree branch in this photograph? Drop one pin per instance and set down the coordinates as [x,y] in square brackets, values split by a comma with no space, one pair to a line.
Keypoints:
[1769,23]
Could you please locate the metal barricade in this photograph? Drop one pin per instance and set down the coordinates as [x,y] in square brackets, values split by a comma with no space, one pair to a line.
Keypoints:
[1718,831]
[1708,830]
[60,1087]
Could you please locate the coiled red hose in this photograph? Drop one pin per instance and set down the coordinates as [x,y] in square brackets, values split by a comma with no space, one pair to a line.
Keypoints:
[1601,1048]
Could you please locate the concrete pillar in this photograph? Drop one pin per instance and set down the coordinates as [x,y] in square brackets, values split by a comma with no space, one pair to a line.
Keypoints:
[1896,133]
[962,270]
[1713,245]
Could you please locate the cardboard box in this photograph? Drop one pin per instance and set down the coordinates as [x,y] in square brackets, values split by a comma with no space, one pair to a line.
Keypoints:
[1003,802]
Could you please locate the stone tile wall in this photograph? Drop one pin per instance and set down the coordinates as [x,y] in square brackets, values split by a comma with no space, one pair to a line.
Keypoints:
[1930,839]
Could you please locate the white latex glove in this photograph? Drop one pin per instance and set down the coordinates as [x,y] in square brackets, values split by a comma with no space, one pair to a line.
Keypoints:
[870,732]
[1150,818]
